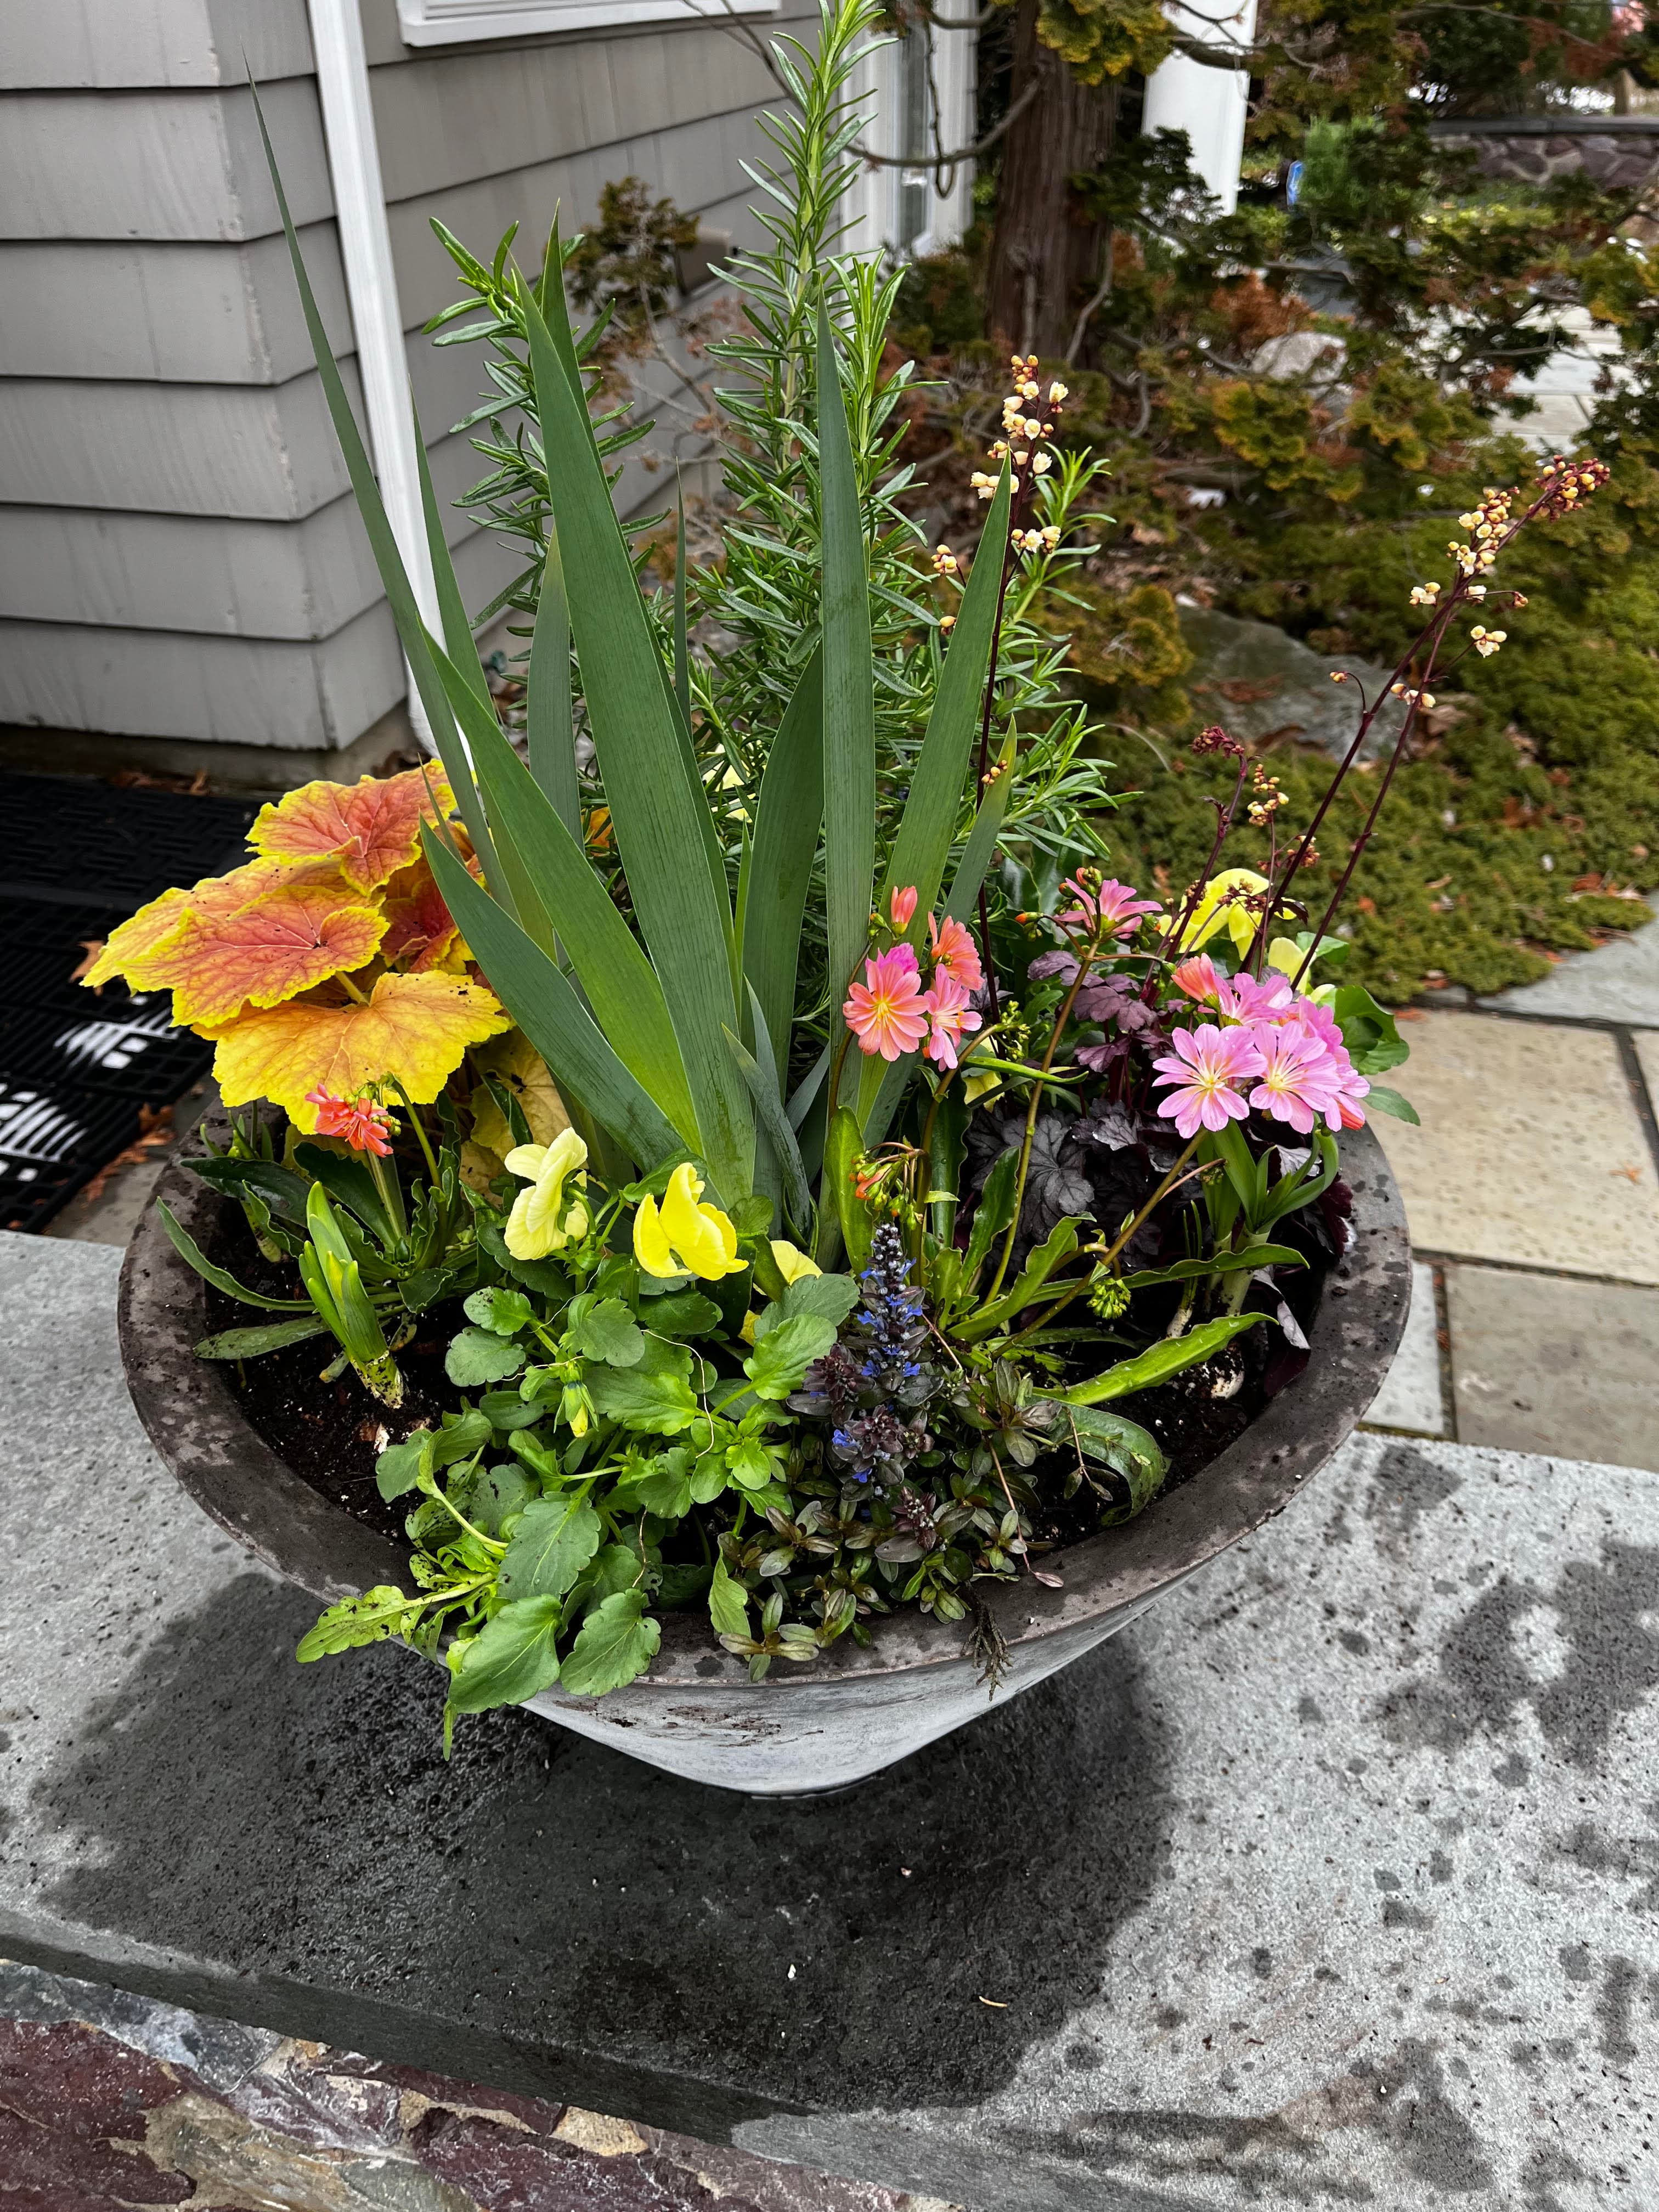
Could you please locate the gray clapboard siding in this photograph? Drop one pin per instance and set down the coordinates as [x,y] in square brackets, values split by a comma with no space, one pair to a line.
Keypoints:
[213,575]
[295,695]
[149,312]
[262,451]
[179,558]
[164,165]
[106,45]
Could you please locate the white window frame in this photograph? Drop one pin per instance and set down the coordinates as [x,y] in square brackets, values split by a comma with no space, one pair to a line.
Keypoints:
[450,22]
[872,201]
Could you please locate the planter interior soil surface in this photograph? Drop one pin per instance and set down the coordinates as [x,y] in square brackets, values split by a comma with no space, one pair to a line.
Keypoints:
[331,1434]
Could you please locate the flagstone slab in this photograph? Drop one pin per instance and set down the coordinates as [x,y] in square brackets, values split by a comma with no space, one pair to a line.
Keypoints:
[1332,1880]
[1617,982]
[1412,1397]
[1532,1152]
[1647,1055]
[1541,1363]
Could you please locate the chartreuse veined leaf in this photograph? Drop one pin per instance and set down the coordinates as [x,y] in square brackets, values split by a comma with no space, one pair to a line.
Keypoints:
[553,1540]
[621,985]
[849,729]
[400,595]
[545,1006]
[1172,1356]
[657,808]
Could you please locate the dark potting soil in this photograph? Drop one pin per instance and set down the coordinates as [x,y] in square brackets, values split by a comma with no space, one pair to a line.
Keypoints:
[331,1434]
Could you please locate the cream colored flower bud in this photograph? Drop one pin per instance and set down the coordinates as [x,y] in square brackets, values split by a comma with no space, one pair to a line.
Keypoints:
[1043,463]
[1056,393]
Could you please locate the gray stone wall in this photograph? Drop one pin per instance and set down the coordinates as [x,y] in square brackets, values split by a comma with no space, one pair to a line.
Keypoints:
[180,565]
[1619,152]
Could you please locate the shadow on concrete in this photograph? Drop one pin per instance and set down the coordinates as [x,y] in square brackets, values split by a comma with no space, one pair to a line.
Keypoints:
[299,1826]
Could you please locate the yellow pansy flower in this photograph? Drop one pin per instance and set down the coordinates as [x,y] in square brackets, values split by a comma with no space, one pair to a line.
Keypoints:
[682,1236]
[1216,911]
[541,1220]
[792,1263]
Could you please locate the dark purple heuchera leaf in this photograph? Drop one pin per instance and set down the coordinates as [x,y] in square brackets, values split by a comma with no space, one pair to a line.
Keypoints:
[1054,1185]
[1109,1123]
[1060,962]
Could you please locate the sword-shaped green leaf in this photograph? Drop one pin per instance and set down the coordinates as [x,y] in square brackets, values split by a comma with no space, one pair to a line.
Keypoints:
[657,804]
[544,1003]
[929,826]
[621,985]
[550,715]
[787,816]
[849,729]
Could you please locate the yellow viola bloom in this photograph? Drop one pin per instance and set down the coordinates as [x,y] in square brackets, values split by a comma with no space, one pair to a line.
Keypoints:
[542,1221]
[792,1263]
[682,1236]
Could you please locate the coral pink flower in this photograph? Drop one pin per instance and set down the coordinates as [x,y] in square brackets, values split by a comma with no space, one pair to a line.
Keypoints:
[365,1125]
[951,1017]
[1114,906]
[886,1013]
[1198,978]
[955,952]
[1297,1075]
[904,905]
[1206,1063]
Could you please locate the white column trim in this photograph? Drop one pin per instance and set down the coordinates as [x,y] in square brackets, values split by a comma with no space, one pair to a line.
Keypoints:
[354,160]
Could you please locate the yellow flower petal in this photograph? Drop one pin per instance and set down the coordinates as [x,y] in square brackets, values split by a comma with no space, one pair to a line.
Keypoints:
[526,1160]
[1212,914]
[704,1239]
[792,1263]
[651,1246]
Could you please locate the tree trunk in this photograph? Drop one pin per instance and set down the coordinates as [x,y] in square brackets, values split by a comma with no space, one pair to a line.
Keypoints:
[1044,257]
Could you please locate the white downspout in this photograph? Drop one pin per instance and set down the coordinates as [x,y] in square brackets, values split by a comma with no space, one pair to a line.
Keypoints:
[1210,105]
[354,160]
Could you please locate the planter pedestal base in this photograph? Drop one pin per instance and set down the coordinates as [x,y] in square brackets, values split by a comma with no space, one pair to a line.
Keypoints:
[1330,1878]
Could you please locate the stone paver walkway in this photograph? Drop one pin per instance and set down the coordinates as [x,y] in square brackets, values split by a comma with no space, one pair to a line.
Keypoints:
[1532,1192]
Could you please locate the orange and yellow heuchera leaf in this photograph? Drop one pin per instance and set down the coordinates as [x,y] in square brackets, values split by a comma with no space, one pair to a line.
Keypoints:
[137,941]
[414,1028]
[142,948]
[368,830]
[420,931]
[283,942]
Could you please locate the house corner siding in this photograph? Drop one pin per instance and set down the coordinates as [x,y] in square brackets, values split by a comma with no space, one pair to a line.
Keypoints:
[180,562]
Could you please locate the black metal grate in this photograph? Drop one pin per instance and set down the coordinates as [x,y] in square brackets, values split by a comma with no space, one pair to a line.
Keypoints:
[76,1066]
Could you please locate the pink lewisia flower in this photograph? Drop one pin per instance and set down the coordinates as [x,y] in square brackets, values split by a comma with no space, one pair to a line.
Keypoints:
[902,906]
[1114,906]
[886,1013]
[365,1125]
[1343,1080]
[1247,1000]
[1198,978]
[1297,1075]
[955,952]
[951,1016]
[1206,1063]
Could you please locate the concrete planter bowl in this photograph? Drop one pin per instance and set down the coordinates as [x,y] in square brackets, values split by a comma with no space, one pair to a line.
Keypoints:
[808,1729]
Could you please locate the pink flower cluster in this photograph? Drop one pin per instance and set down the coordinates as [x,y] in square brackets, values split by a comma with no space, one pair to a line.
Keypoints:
[889,1012]
[1290,1045]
